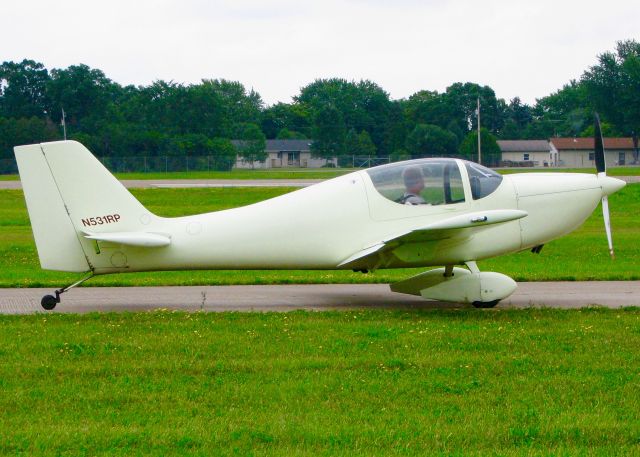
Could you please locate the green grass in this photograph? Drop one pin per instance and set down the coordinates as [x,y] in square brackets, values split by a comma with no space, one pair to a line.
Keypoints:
[582,255]
[465,382]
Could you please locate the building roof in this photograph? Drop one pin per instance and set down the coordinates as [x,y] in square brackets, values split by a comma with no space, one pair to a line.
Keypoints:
[577,144]
[288,145]
[283,145]
[524,145]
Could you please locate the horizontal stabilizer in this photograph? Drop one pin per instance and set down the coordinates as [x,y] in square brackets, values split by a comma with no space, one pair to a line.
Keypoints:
[139,239]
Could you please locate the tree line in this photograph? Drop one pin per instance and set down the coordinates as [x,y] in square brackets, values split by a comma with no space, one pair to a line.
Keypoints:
[343,117]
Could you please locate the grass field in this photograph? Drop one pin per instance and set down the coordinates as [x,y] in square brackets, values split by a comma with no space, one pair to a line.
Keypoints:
[326,173]
[466,382]
[583,255]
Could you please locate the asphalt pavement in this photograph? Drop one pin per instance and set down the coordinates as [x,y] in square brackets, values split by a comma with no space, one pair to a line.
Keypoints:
[315,297]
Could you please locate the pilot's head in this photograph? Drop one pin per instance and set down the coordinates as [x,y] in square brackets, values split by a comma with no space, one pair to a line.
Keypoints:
[413,179]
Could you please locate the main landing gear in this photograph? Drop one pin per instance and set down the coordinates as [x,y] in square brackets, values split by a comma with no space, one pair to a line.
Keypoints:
[49,302]
[473,268]
[482,289]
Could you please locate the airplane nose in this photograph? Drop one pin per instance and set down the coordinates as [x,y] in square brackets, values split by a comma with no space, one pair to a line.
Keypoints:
[610,185]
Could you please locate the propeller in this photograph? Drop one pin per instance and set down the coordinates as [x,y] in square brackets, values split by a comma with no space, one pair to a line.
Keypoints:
[601,167]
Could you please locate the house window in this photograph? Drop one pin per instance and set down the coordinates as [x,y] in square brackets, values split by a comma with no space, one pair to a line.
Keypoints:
[525,156]
[621,158]
[592,156]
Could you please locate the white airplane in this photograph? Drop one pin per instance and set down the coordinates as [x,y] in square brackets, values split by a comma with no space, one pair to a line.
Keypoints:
[418,213]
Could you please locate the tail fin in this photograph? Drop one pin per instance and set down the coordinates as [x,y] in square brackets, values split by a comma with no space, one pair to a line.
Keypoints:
[68,192]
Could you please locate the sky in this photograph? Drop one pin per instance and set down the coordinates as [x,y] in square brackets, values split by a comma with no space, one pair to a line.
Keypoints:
[520,48]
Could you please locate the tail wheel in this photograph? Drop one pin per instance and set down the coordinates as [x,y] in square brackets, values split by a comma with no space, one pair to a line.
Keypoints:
[49,302]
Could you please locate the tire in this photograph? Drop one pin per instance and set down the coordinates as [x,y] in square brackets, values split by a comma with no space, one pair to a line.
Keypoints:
[485,304]
[49,302]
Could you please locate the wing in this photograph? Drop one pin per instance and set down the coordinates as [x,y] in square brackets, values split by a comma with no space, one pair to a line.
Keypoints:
[454,227]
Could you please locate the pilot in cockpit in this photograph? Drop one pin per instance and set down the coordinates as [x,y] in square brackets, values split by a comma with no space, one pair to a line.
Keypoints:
[414,184]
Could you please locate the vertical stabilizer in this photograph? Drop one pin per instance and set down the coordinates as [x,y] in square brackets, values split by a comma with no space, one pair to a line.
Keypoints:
[69,194]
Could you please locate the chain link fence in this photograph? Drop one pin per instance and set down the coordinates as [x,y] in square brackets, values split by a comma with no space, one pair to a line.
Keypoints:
[185,164]
[168,164]
[161,164]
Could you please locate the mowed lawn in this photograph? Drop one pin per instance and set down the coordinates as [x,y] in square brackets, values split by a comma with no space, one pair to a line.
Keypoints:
[583,255]
[380,382]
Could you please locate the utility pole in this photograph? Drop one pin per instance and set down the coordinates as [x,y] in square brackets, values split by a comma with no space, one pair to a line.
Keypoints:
[64,125]
[479,144]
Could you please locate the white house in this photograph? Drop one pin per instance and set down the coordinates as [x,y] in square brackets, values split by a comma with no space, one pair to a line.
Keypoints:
[578,152]
[536,153]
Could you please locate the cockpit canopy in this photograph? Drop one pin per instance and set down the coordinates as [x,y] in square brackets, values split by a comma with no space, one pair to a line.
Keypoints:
[432,181]
[483,180]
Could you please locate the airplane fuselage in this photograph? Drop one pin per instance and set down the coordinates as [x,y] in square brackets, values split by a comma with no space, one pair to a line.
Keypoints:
[319,226]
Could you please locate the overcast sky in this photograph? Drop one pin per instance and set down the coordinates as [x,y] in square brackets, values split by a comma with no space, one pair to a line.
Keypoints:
[525,48]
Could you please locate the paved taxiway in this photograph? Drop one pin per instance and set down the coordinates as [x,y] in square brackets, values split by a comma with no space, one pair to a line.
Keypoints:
[612,294]
[187,183]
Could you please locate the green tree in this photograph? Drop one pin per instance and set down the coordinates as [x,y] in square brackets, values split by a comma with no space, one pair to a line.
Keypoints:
[330,134]
[286,134]
[517,116]
[362,105]
[239,106]
[83,92]
[565,112]
[431,141]
[31,130]
[359,144]
[430,107]
[23,89]
[461,100]
[395,128]
[190,144]
[252,144]
[399,154]
[224,152]
[491,153]
[614,86]
[294,117]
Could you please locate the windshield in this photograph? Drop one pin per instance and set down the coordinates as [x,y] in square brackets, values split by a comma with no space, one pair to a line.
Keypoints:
[483,180]
[419,182]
